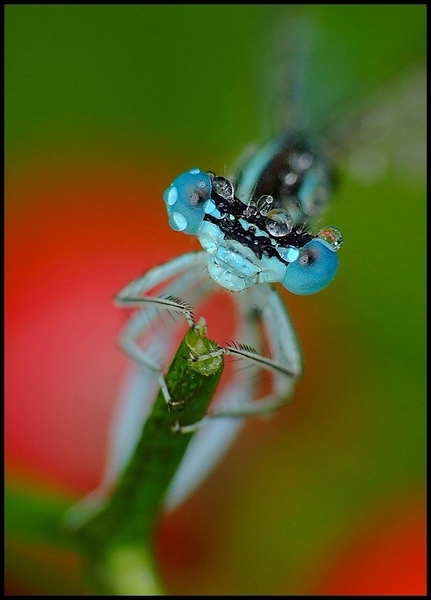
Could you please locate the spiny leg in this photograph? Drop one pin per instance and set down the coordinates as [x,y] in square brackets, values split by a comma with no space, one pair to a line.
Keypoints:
[210,443]
[186,269]
[162,273]
[285,364]
[135,398]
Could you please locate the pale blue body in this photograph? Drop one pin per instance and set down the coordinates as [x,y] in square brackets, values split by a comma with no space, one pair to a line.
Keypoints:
[301,268]
[253,232]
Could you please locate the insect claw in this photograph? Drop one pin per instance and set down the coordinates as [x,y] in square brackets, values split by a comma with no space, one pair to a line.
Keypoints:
[172,404]
[176,428]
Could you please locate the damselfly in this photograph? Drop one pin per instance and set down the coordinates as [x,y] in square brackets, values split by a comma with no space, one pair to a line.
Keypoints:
[256,228]
[254,231]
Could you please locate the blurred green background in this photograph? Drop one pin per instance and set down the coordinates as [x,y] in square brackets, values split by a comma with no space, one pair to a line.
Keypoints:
[114,87]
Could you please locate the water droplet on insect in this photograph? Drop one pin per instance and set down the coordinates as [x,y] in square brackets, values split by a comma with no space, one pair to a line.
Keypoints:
[264,204]
[289,178]
[223,188]
[290,253]
[250,209]
[331,236]
[301,161]
[278,222]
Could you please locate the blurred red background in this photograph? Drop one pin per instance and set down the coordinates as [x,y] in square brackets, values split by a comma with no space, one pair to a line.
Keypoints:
[67,252]
[105,105]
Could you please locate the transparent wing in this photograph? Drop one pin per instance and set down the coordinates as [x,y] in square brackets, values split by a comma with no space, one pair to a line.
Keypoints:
[368,127]
[286,60]
[387,134]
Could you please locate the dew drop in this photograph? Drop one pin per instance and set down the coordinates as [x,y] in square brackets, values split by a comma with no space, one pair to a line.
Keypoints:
[290,178]
[278,222]
[264,204]
[250,209]
[290,253]
[301,161]
[223,188]
[332,237]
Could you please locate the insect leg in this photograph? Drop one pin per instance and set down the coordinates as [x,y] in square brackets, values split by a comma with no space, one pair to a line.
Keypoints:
[285,363]
[187,266]
[210,443]
[139,388]
[140,384]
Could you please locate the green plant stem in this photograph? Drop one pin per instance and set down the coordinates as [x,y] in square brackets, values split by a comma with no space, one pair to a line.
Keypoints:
[118,539]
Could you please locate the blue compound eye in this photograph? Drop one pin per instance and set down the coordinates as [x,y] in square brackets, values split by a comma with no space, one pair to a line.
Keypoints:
[313,270]
[187,200]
